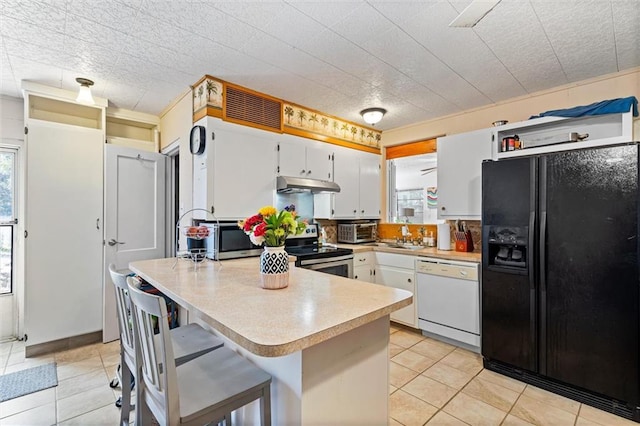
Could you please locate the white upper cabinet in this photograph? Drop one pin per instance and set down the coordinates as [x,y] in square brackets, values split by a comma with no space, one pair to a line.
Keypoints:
[358,175]
[236,174]
[301,157]
[459,174]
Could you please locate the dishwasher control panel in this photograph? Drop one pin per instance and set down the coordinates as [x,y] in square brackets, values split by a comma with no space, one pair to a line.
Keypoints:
[449,269]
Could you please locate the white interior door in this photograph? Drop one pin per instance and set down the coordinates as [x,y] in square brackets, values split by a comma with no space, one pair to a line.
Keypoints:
[134,217]
[63,280]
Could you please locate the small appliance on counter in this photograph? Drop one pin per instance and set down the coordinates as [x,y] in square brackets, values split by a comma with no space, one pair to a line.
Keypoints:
[444,236]
[357,232]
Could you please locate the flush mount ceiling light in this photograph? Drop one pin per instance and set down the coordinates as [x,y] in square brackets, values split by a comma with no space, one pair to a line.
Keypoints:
[473,13]
[84,94]
[372,115]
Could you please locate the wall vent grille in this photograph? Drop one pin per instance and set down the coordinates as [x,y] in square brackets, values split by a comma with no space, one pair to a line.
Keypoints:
[252,109]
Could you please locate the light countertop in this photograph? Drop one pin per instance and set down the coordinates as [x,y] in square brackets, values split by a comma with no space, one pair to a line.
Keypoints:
[425,252]
[314,308]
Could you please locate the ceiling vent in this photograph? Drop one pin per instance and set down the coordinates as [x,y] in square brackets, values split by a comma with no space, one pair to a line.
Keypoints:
[249,108]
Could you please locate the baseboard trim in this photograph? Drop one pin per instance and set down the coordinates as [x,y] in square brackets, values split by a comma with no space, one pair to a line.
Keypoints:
[63,344]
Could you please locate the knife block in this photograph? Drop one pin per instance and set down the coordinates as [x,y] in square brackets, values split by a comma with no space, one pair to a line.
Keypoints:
[464,242]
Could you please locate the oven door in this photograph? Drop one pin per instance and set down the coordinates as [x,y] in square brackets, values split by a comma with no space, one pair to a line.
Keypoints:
[341,266]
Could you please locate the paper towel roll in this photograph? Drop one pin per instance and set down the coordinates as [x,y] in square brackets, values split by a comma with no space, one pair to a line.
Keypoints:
[444,236]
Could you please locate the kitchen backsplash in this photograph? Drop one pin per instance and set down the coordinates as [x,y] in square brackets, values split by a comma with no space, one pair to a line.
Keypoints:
[389,231]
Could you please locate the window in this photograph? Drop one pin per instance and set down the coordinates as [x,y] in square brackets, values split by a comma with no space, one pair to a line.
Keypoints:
[411,198]
[7,217]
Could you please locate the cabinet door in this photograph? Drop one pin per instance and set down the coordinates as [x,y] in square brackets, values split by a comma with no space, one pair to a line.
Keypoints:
[292,157]
[459,174]
[63,251]
[319,164]
[345,168]
[363,273]
[369,186]
[243,174]
[403,279]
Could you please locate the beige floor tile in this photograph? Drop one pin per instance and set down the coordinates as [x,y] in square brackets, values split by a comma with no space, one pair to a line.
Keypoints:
[429,390]
[81,383]
[515,421]
[42,415]
[409,410]
[84,402]
[463,360]
[433,348]
[540,413]
[584,422]
[602,417]
[5,347]
[494,395]
[107,415]
[413,360]
[109,348]
[450,376]
[552,399]
[27,363]
[78,354]
[393,328]
[394,350]
[406,339]
[27,402]
[67,370]
[392,389]
[392,422]
[444,419]
[504,381]
[473,411]
[399,375]
[16,357]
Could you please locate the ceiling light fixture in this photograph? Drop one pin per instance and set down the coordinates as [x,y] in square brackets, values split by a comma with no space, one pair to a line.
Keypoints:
[473,13]
[84,94]
[372,115]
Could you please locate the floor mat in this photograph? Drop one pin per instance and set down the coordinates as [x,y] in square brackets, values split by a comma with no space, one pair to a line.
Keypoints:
[27,381]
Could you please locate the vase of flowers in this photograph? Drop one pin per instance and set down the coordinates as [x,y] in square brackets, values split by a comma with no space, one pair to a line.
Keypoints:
[271,227]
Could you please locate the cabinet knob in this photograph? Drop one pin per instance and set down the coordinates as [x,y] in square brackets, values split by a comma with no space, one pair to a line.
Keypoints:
[308,172]
[355,277]
[302,172]
[362,211]
[408,280]
[355,211]
[442,208]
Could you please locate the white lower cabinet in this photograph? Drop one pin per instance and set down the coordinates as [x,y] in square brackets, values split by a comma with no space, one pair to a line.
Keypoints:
[363,267]
[398,271]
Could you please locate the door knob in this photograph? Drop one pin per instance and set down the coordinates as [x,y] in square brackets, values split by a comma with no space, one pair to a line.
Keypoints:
[112,242]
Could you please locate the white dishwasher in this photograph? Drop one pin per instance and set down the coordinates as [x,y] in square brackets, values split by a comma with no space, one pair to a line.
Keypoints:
[448,294]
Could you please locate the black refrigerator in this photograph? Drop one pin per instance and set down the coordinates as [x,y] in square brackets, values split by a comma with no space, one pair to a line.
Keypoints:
[560,273]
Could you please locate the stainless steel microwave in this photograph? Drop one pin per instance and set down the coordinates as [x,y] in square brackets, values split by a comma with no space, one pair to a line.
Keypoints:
[227,241]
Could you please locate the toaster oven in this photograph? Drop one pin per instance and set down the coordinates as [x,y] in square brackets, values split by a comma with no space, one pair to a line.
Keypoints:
[355,233]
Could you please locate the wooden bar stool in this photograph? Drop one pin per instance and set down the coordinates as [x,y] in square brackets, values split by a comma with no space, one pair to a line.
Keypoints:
[204,390]
[188,342]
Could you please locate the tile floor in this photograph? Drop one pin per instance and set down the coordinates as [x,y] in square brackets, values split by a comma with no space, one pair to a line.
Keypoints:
[431,383]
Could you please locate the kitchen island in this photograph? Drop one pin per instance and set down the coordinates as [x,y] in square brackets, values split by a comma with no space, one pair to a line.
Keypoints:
[324,339]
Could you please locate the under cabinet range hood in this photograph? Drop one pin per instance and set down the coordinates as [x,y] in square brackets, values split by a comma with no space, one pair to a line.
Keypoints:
[298,184]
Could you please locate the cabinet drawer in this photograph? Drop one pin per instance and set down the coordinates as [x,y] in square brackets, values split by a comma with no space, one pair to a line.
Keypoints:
[396,260]
[361,259]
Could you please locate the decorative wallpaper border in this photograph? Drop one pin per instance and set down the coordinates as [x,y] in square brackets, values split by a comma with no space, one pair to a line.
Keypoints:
[208,92]
[208,100]
[301,118]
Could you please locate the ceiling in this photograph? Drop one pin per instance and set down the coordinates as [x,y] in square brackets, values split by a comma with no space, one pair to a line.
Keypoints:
[337,57]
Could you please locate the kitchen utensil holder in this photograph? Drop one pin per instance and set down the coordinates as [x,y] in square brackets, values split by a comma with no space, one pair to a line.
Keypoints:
[464,242]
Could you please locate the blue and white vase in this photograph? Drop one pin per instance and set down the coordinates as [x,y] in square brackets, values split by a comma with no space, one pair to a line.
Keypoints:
[274,268]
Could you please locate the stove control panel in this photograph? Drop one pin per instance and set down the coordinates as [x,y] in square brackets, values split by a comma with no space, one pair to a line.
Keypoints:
[310,232]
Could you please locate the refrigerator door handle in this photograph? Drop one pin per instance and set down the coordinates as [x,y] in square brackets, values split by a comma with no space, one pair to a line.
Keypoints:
[530,252]
[543,249]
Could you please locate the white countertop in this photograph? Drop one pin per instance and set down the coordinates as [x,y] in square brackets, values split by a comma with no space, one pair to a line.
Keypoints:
[314,308]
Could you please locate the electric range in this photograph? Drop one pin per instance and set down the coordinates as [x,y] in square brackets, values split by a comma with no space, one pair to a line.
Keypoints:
[331,260]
